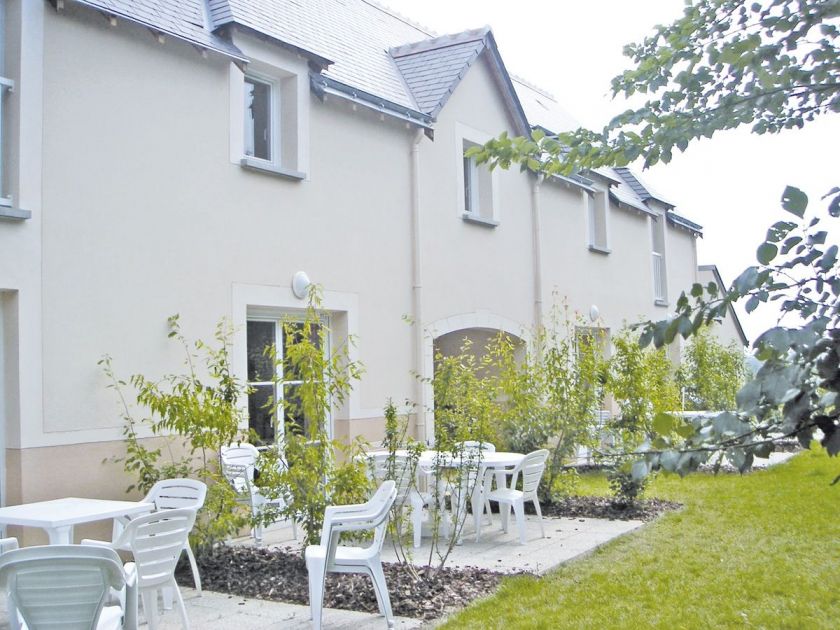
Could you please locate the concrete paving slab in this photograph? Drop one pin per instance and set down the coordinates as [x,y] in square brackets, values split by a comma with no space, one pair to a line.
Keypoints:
[218,611]
[565,538]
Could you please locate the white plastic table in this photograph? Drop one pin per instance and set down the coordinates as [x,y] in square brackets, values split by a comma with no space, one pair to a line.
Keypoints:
[57,517]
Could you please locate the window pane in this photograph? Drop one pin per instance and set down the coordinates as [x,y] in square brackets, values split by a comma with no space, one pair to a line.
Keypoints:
[292,334]
[468,205]
[260,412]
[260,336]
[257,119]
[292,413]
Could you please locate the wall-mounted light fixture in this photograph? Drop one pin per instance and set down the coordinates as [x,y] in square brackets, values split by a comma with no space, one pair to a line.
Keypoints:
[300,284]
[594,313]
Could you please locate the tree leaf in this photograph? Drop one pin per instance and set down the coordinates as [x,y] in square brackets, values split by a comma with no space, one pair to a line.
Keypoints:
[766,253]
[663,423]
[794,201]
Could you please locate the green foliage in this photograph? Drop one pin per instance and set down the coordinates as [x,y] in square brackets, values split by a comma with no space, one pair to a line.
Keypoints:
[643,386]
[317,470]
[194,414]
[771,65]
[725,63]
[795,391]
[552,396]
[711,374]
[625,487]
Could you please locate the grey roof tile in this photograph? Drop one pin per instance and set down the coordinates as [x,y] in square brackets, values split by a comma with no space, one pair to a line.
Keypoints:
[184,19]
[354,34]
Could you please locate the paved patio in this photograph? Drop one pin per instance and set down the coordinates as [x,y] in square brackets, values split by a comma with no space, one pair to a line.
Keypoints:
[565,538]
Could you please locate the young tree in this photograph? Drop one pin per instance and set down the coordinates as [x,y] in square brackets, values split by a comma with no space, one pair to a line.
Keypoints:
[711,374]
[772,65]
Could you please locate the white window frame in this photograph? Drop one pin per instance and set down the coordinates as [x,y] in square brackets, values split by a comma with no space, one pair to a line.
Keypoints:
[598,210]
[6,86]
[290,94]
[660,292]
[274,126]
[278,319]
[489,217]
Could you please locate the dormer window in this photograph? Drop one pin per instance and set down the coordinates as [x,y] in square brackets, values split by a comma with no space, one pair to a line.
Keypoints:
[477,190]
[259,105]
[597,216]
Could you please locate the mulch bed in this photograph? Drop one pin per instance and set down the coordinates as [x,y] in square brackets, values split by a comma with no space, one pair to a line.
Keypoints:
[606,507]
[280,575]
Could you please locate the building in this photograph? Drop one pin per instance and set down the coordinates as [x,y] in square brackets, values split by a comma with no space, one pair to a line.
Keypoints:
[191,156]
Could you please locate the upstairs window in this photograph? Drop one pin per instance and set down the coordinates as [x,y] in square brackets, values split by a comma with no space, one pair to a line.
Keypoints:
[477,190]
[6,86]
[269,118]
[660,278]
[259,127]
[597,215]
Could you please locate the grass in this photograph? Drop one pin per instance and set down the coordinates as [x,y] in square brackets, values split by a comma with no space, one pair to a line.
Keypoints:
[758,551]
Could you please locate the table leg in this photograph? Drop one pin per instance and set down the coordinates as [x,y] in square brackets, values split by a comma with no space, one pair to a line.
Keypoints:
[61,535]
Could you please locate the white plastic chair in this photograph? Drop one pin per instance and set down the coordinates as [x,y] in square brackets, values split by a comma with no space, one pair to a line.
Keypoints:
[404,474]
[67,587]
[531,469]
[171,494]
[238,464]
[156,541]
[475,486]
[330,557]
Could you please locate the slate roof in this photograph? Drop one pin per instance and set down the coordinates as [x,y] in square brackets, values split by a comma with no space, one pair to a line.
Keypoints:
[643,191]
[355,35]
[432,68]
[375,54]
[182,19]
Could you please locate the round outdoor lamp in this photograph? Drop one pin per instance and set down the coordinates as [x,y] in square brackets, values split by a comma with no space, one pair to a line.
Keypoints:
[300,284]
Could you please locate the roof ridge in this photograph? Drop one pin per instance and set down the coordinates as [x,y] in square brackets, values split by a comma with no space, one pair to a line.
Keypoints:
[532,86]
[442,41]
[402,18]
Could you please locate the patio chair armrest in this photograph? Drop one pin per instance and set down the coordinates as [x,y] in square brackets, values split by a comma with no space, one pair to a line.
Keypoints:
[8,544]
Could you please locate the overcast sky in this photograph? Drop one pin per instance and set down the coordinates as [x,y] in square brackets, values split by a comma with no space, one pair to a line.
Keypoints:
[730,184]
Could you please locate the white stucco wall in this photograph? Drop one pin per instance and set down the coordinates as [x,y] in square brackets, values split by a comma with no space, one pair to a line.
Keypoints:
[145,216]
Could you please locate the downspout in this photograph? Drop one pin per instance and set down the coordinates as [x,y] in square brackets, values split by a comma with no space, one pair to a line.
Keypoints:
[536,237]
[417,290]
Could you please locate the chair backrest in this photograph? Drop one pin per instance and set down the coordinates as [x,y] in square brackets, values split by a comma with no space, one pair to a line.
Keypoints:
[363,517]
[171,494]
[156,541]
[401,470]
[238,463]
[532,468]
[60,586]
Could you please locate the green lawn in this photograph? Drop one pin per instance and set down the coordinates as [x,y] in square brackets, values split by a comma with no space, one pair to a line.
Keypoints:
[759,551]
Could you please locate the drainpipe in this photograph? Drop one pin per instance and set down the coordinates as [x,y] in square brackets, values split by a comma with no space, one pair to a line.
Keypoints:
[417,289]
[536,237]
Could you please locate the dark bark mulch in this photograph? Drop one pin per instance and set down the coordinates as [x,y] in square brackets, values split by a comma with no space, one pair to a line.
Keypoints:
[280,575]
[606,507]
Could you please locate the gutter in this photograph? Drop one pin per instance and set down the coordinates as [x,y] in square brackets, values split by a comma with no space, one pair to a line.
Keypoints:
[323,85]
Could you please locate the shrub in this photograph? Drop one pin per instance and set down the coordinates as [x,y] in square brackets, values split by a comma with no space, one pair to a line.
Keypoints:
[195,413]
[711,374]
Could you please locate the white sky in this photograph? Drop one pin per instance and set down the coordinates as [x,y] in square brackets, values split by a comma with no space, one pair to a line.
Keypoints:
[730,184]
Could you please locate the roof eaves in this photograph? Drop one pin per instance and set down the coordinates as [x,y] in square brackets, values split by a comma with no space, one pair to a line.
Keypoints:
[684,223]
[639,207]
[229,50]
[325,85]
[319,61]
